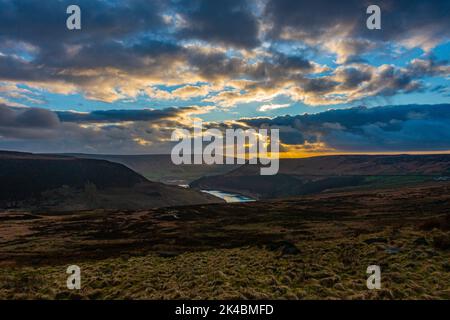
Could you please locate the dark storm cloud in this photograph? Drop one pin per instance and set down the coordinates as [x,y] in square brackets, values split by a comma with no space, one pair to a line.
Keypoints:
[275,67]
[390,81]
[292,136]
[113,34]
[228,22]
[212,65]
[352,77]
[358,81]
[41,22]
[113,131]
[319,85]
[313,18]
[109,26]
[125,48]
[149,58]
[144,53]
[292,62]
[12,68]
[43,118]
[27,117]
[121,115]
[392,128]
[399,17]
[24,123]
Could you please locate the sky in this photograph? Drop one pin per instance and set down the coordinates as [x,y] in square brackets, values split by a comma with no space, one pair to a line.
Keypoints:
[140,69]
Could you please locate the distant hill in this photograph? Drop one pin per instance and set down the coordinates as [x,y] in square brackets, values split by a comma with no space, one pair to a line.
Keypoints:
[359,165]
[327,173]
[159,167]
[66,183]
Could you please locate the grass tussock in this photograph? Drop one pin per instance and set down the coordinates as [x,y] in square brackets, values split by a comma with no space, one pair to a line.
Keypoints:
[326,270]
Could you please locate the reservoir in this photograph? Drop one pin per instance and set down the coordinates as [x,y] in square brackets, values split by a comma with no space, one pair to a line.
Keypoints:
[228,197]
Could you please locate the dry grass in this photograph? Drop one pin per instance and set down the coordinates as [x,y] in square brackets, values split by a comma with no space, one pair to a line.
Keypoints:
[323,270]
[308,248]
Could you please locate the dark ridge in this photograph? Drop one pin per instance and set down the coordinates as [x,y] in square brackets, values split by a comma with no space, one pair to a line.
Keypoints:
[25,175]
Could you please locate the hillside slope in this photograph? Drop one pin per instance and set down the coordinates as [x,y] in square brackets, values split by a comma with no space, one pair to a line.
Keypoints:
[325,173]
[68,183]
[359,165]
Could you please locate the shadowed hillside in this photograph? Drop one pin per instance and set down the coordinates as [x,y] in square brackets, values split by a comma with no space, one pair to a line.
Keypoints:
[328,173]
[65,183]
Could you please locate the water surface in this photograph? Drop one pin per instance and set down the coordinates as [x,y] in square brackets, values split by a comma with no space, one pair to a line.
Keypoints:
[228,197]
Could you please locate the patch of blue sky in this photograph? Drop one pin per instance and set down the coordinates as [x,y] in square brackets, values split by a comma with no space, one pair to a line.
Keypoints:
[442,51]
[394,55]
[27,56]
[75,102]
[401,56]
[171,88]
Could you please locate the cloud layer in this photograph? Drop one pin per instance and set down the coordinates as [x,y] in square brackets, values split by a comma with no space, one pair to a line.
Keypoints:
[384,129]
[155,66]
[247,51]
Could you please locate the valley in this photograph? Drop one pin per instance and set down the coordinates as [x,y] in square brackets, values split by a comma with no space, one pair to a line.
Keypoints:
[159,167]
[311,234]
